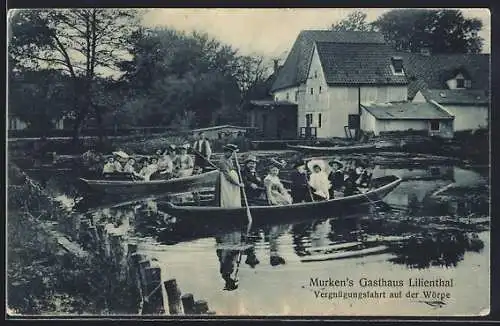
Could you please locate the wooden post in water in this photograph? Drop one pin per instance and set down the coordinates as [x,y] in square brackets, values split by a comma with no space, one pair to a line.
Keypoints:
[95,238]
[200,307]
[142,273]
[188,303]
[84,235]
[102,237]
[153,295]
[75,226]
[133,267]
[174,297]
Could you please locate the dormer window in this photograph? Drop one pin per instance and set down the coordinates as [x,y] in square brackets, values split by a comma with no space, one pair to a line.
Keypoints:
[460,83]
[397,65]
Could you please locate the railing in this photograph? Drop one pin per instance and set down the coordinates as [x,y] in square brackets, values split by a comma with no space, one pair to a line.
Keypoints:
[308,132]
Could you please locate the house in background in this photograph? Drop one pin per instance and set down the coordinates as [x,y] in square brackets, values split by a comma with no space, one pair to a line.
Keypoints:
[431,118]
[328,74]
[458,82]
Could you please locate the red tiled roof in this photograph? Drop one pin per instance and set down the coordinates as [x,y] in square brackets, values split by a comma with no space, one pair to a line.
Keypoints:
[358,64]
[296,66]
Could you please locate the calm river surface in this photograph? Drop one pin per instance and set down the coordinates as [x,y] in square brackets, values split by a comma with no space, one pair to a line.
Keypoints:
[434,225]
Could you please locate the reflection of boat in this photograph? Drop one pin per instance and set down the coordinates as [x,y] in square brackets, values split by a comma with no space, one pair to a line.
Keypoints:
[335,149]
[116,187]
[346,254]
[382,186]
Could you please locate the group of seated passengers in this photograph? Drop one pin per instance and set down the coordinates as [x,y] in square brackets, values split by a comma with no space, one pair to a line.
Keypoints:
[173,162]
[309,182]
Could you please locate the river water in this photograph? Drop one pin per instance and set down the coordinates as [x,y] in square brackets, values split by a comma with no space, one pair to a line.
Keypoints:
[434,227]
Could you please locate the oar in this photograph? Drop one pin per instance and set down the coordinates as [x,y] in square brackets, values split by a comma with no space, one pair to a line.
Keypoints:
[249,216]
[245,200]
[207,160]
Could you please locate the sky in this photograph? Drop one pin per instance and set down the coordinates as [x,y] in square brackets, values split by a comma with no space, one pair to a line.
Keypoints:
[271,32]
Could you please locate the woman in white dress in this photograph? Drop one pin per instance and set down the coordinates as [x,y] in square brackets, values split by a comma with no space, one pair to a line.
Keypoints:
[276,192]
[318,180]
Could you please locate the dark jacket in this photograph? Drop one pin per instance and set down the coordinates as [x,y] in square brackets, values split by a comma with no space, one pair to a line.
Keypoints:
[250,177]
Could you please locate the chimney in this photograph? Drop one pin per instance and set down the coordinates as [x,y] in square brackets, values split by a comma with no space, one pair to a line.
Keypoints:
[425,51]
[276,65]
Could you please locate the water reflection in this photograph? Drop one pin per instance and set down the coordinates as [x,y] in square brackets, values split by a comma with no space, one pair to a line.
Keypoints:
[432,219]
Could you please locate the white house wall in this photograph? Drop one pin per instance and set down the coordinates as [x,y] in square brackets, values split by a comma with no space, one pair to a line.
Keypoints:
[469,117]
[287,94]
[335,103]
[368,122]
[401,125]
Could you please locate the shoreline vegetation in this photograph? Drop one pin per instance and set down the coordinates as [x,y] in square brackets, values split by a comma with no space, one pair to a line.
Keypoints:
[42,277]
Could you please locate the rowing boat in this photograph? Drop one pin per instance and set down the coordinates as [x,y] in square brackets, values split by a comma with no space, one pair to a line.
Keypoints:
[335,149]
[319,209]
[175,185]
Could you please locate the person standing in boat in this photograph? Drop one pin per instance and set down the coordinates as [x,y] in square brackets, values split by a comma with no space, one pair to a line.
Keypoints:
[202,150]
[185,163]
[275,191]
[228,186]
[254,186]
[300,187]
[319,183]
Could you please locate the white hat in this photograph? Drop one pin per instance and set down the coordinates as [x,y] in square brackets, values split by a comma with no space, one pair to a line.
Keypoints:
[121,154]
[321,163]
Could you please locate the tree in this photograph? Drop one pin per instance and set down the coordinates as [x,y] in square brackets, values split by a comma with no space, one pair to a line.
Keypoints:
[82,43]
[39,97]
[191,77]
[442,31]
[355,21]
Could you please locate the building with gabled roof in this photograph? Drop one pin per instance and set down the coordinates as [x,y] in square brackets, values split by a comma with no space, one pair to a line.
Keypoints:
[327,74]
[459,82]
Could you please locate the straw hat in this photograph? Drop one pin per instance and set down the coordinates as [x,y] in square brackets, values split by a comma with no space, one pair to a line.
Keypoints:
[251,158]
[320,163]
[332,162]
[121,154]
[231,147]
[280,164]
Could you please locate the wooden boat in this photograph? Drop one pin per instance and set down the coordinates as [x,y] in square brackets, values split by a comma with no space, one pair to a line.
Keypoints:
[175,185]
[237,216]
[335,149]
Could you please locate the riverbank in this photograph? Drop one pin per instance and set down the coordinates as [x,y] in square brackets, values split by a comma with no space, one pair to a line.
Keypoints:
[47,274]
[470,147]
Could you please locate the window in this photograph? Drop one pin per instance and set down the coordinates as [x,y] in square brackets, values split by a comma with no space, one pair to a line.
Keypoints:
[287,96]
[320,89]
[460,83]
[468,83]
[312,91]
[434,125]
[309,119]
[296,96]
[315,74]
[319,120]
[397,64]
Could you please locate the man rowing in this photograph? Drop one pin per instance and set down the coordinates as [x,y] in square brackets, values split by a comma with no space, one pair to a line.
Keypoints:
[254,186]
[228,186]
